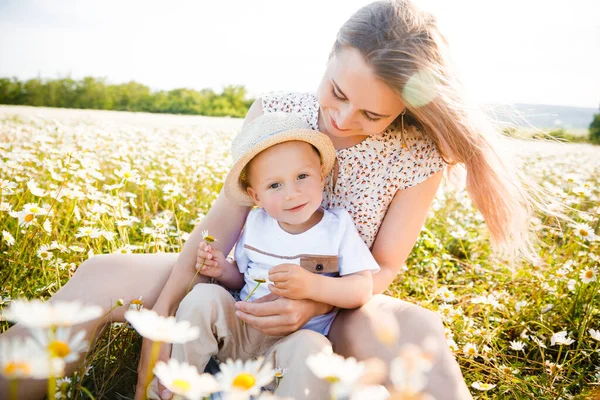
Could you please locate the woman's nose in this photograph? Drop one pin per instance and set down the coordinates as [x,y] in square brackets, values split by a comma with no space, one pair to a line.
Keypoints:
[344,119]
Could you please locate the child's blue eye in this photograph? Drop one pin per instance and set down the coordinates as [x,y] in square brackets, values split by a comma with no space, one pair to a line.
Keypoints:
[302,176]
[274,185]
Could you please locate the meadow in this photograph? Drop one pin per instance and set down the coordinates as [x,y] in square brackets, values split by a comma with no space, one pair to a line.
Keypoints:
[76,183]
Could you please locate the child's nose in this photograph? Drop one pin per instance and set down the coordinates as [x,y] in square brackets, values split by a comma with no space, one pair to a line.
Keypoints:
[291,191]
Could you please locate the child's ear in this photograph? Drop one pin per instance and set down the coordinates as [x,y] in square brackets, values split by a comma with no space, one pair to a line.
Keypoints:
[252,193]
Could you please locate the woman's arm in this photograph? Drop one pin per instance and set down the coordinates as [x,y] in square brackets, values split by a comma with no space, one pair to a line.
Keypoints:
[400,229]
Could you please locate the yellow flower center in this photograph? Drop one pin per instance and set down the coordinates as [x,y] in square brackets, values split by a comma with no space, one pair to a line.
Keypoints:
[278,374]
[209,239]
[28,218]
[59,349]
[138,302]
[332,379]
[583,232]
[589,274]
[471,350]
[127,175]
[14,367]
[244,381]
[182,384]
[260,280]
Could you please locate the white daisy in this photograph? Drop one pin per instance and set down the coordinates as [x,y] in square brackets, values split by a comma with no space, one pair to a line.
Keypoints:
[207,238]
[588,275]
[584,231]
[343,373]
[23,358]
[482,386]
[61,344]
[161,329]
[184,380]
[47,226]
[33,188]
[8,238]
[35,209]
[470,349]
[36,313]
[88,231]
[594,334]
[244,379]
[44,252]
[371,392]
[127,174]
[517,345]
[408,372]
[446,295]
[259,275]
[25,218]
[561,339]
[7,187]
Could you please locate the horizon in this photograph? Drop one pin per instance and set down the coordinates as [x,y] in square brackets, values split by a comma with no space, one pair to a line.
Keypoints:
[164,47]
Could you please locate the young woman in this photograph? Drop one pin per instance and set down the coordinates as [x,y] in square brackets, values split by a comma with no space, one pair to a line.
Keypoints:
[393,108]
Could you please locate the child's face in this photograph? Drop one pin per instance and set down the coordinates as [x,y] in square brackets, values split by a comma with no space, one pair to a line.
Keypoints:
[287,181]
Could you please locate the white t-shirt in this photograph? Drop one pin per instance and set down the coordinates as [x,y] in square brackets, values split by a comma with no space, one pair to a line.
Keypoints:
[264,244]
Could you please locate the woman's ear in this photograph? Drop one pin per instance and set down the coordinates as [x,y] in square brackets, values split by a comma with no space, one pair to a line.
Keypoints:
[252,193]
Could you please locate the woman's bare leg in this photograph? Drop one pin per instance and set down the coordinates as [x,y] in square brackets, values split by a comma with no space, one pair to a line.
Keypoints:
[353,334]
[102,280]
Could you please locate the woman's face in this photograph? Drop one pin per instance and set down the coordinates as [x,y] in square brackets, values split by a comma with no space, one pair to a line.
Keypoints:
[353,101]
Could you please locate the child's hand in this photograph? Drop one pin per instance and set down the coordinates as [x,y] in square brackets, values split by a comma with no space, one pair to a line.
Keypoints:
[290,281]
[209,261]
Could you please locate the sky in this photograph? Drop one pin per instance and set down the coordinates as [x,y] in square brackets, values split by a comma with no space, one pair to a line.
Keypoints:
[508,51]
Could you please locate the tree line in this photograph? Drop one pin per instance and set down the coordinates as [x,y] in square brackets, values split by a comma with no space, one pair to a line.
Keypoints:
[96,93]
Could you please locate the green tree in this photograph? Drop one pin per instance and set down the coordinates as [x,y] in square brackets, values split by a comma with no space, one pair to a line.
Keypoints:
[595,129]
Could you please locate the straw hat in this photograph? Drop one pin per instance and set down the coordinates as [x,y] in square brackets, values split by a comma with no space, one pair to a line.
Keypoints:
[266,131]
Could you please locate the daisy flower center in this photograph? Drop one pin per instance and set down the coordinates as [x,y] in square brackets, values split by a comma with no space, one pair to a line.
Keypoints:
[28,218]
[589,274]
[583,232]
[332,379]
[138,302]
[59,349]
[244,381]
[14,367]
[182,384]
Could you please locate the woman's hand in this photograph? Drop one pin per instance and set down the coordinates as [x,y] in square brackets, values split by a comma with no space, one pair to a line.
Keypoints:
[274,315]
[209,261]
[290,281]
[142,370]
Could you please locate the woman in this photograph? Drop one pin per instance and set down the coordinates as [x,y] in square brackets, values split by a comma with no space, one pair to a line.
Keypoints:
[388,96]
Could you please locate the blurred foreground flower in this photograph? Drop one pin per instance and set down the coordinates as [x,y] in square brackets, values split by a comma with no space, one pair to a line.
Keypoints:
[241,380]
[23,358]
[60,343]
[184,380]
[342,373]
[36,313]
[161,329]
[408,372]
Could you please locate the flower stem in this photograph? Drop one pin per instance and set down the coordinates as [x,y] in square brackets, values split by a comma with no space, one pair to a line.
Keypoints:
[13,385]
[149,373]
[195,275]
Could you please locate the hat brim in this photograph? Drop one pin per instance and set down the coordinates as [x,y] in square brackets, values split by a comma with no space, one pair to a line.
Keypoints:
[233,188]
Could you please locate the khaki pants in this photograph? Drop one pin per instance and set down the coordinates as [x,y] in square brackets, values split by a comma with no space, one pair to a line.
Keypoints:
[212,309]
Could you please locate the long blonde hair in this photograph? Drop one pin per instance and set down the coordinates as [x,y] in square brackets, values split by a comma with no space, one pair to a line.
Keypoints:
[406,50]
